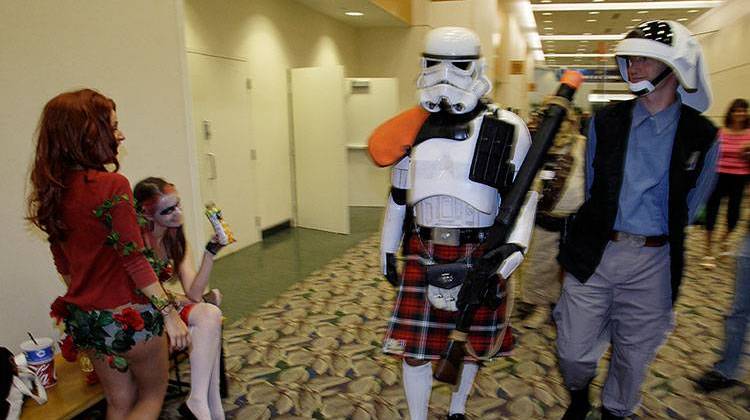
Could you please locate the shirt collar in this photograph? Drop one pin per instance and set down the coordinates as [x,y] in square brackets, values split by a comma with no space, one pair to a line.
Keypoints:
[662,119]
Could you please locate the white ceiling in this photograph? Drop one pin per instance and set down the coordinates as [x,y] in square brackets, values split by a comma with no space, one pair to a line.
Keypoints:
[595,23]
[372,14]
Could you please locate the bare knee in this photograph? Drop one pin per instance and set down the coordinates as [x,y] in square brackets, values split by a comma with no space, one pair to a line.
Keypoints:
[120,402]
[206,314]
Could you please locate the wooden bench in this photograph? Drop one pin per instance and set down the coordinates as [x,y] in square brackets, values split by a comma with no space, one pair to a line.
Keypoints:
[68,398]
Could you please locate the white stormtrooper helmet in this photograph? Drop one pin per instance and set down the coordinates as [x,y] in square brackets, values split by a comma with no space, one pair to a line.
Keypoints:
[672,44]
[452,77]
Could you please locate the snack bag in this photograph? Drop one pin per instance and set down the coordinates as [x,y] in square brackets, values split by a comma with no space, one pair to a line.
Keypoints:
[223,233]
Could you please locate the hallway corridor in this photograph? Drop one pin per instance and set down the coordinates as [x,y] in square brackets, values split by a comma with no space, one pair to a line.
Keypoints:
[314,352]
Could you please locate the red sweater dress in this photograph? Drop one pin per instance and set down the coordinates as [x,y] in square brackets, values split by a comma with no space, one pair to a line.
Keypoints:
[101,277]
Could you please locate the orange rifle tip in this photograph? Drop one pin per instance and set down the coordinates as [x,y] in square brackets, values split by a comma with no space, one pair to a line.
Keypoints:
[572,78]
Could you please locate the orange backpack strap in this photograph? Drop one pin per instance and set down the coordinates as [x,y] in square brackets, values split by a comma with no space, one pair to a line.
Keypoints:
[392,139]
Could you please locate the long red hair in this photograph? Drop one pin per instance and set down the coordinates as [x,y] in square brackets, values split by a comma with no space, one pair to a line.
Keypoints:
[74,132]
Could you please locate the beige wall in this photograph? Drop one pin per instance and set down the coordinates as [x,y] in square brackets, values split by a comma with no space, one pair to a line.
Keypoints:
[395,52]
[547,83]
[511,90]
[724,33]
[274,36]
[130,50]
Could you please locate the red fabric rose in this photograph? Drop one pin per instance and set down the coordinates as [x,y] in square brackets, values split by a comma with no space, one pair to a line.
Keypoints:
[92,378]
[68,349]
[59,310]
[130,318]
[166,273]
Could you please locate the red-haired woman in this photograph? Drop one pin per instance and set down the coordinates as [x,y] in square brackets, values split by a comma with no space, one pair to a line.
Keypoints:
[114,308]
[164,236]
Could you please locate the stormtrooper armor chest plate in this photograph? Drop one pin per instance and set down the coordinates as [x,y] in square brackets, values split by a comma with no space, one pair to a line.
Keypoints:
[439,179]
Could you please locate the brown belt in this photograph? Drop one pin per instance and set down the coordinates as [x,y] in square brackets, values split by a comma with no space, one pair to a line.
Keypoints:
[650,241]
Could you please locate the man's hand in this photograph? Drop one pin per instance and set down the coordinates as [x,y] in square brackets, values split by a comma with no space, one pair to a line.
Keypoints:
[391,271]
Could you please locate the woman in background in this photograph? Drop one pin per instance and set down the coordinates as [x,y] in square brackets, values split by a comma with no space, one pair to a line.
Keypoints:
[170,254]
[114,307]
[733,169]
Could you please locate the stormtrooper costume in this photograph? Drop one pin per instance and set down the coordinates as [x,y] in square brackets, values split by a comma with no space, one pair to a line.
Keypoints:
[452,158]
[648,171]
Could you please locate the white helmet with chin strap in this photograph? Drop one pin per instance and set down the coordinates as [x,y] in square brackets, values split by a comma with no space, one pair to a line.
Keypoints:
[452,77]
[672,44]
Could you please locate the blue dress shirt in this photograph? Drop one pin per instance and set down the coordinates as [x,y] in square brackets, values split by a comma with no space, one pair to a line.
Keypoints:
[643,208]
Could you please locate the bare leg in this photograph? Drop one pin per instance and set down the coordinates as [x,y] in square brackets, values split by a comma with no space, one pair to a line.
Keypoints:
[205,334]
[139,392]
[149,363]
[119,389]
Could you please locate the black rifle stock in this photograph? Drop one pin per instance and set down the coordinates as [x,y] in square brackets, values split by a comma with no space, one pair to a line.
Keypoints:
[481,276]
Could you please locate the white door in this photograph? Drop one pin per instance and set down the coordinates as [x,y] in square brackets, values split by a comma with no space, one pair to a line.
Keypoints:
[226,155]
[319,148]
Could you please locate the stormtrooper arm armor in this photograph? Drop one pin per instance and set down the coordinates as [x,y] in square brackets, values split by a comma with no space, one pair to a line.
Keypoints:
[393,223]
[520,236]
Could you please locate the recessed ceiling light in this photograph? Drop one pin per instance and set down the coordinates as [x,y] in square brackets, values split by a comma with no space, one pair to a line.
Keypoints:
[693,5]
[693,11]
[598,1]
[629,27]
[547,14]
[547,21]
[682,19]
[587,33]
[354,13]
[636,20]
[590,20]
[593,13]
[546,1]
[642,12]
[549,28]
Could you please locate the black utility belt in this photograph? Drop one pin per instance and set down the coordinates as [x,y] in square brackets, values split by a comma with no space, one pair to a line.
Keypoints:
[452,236]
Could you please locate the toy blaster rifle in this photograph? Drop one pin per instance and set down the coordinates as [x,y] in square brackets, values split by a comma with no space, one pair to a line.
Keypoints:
[480,285]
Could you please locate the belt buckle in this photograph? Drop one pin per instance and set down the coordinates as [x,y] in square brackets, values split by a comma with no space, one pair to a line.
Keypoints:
[446,236]
[636,240]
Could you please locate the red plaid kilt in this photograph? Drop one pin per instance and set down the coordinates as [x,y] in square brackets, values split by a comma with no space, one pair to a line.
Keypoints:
[418,330]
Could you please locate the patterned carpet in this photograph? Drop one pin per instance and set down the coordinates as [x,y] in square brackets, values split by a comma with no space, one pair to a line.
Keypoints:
[314,352]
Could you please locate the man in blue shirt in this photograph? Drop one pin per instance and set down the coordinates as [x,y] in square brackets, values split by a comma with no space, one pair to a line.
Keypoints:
[649,164]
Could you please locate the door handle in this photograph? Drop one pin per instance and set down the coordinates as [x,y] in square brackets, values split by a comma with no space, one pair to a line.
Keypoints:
[212,163]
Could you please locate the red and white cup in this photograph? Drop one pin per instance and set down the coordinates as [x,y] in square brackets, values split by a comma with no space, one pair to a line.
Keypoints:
[40,358]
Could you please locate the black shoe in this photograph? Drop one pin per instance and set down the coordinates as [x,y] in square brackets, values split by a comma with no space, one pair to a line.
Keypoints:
[714,381]
[608,415]
[457,416]
[579,405]
[185,412]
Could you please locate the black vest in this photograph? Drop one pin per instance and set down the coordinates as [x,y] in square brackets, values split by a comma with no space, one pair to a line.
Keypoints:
[588,231]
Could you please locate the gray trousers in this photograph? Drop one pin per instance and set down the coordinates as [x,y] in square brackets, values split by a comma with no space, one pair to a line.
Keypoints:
[626,303]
